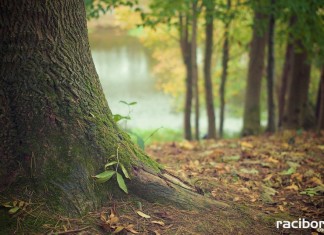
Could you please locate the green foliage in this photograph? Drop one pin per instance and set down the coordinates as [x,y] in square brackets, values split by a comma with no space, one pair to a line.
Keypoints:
[108,174]
[96,8]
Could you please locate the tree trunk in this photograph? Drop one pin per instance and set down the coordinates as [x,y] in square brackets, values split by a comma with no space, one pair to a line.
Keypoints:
[270,73]
[251,119]
[320,105]
[57,130]
[286,71]
[225,59]
[297,99]
[211,134]
[194,68]
[185,45]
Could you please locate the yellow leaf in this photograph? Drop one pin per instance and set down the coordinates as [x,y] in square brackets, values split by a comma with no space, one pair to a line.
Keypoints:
[129,228]
[292,187]
[236,199]
[158,222]
[103,217]
[143,215]
[118,229]
[246,145]
[298,177]
[157,232]
[113,220]
[272,160]
[281,208]
[268,177]
[316,181]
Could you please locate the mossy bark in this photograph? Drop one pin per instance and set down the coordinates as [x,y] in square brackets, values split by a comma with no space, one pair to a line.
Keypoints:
[57,130]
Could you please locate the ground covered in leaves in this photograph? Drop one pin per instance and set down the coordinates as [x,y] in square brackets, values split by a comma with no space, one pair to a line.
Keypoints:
[263,179]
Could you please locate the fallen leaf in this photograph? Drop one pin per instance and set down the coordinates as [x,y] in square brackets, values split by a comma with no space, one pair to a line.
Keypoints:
[143,215]
[316,180]
[246,145]
[272,160]
[158,222]
[292,187]
[118,229]
[231,158]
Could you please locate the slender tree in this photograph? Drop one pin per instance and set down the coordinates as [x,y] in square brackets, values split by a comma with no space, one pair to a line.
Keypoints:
[270,70]
[225,59]
[209,28]
[320,103]
[185,44]
[251,119]
[194,66]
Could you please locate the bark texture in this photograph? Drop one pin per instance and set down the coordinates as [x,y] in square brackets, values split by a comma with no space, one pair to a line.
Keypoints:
[57,130]
[286,71]
[320,105]
[209,97]
[251,119]
[270,73]
[185,45]
[297,100]
[225,59]
[194,66]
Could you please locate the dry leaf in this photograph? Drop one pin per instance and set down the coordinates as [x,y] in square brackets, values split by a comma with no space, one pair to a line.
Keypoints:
[236,199]
[246,145]
[272,160]
[268,177]
[130,228]
[158,222]
[281,208]
[298,176]
[316,180]
[118,229]
[143,215]
[292,187]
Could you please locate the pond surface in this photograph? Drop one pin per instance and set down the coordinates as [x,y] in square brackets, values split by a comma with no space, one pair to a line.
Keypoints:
[124,66]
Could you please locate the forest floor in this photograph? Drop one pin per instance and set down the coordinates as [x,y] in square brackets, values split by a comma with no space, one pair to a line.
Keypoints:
[263,179]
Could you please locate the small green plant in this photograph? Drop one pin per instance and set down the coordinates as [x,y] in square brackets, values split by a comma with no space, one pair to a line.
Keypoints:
[111,169]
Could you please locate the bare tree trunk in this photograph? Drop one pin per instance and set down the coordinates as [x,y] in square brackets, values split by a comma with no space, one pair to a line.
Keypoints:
[297,100]
[251,119]
[225,59]
[270,73]
[195,66]
[211,134]
[320,105]
[286,74]
[185,45]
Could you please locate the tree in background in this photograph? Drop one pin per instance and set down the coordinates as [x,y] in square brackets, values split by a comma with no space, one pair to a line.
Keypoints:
[271,126]
[225,59]
[251,118]
[320,103]
[209,97]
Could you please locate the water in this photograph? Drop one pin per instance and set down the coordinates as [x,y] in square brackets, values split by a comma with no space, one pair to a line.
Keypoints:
[125,70]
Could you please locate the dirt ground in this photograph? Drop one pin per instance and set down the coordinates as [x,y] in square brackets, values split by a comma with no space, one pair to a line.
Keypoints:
[263,179]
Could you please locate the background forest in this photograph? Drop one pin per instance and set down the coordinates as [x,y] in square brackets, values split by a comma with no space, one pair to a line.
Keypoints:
[252,66]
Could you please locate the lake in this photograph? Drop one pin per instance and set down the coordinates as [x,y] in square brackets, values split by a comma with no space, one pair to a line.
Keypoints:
[124,67]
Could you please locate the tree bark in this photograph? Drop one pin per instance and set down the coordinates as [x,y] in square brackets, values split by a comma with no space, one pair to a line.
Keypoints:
[209,19]
[225,59]
[194,66]
[320,105]
[185,45]
[270,73]
[57,130]
[286,71]
[297,100]
[251,119]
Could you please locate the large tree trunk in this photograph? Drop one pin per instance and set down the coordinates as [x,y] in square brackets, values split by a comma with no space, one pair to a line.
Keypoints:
[194,66]
[297,99]
[225,59]
[251,119]
[211,134]
[56,127]
[185,45]
[270,73]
